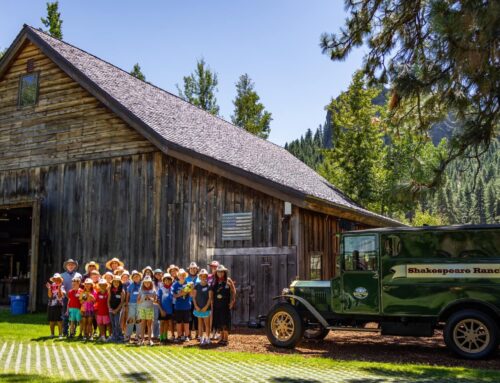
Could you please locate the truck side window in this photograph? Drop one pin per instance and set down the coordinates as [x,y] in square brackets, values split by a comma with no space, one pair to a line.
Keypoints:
[360,253]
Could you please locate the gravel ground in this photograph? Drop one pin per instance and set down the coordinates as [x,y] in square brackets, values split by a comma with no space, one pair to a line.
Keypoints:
[350,345]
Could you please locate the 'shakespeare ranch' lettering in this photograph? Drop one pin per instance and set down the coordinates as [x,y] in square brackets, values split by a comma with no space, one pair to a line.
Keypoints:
[447,271]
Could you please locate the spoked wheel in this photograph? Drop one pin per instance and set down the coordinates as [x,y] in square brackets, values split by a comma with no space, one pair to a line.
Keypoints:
[284,327]
[471,334]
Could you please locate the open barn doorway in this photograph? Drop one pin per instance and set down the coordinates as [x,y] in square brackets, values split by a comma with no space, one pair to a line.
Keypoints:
[18,251]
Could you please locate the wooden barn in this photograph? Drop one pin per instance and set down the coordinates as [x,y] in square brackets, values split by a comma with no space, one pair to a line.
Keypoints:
[95,163]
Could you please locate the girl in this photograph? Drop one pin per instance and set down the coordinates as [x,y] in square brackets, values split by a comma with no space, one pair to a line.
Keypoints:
[147,272]
[224,295]
[113,264]
[131,304]
[116,299]
[181,290]
[56,293]
[89,267]
[165,304]
[157,277]
[102,310]
[125,278]
[146,301]
[173,270]
[202,301]
[108,276]
[87,299]
[74,306]
[95,276]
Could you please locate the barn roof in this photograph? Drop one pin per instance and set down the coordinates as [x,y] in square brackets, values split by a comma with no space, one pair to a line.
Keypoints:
[188,132]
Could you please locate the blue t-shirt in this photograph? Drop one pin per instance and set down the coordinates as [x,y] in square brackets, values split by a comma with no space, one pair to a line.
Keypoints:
[193,279]
[183,302]
[166,299]
[133,290]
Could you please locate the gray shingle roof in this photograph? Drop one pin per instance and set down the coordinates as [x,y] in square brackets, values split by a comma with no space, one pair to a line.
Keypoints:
[187,126]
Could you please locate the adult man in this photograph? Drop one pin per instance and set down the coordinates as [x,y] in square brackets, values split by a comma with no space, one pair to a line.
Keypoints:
[70,266]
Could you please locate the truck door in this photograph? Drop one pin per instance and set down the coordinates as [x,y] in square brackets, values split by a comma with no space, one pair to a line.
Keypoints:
[360,274]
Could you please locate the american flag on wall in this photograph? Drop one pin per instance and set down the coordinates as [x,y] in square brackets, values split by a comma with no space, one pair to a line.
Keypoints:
[237,226]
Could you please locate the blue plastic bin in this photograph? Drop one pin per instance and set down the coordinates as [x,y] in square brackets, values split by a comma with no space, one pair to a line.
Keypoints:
[18,304]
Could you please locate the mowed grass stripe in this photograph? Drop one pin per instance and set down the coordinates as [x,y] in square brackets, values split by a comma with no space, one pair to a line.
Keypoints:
[152,364]
[18,359]
[28,359]
[68,362]
[2,350]
[57,359]
[38,364]
[9,356]
[86,362]
[124,366]
[78,362]
[48,361]
[177,366]
[98,364]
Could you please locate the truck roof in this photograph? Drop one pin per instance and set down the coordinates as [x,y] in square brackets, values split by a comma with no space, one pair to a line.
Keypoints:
[425,228]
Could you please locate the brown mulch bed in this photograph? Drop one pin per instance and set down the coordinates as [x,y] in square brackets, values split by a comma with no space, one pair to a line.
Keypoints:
[350,345]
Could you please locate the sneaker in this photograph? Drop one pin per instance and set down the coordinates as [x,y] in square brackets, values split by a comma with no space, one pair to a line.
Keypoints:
[61,337]
[207,341]
[151,343]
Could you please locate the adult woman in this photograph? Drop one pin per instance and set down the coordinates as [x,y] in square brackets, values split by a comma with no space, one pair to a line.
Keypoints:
[113,264]
[224,295]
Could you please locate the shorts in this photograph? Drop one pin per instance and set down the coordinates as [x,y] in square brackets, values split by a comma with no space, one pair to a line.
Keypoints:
[54,313]
[166,317]
[102,320]
[74,315]
[146,314]
[88,314]
[201,314]
[182,316]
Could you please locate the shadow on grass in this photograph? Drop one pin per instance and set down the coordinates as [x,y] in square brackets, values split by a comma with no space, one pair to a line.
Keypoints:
[286,379]
[17,378]
[138,376]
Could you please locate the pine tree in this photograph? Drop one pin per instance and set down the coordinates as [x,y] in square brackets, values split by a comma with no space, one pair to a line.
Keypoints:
[249,113]
[479,208]
[53,20]
[200,87]
[2,52]
[491,202]
[137,73]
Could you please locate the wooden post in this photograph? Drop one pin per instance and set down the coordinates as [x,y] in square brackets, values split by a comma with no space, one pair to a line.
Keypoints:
[35,234]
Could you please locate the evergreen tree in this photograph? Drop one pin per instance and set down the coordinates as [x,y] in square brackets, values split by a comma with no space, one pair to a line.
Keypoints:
[354,164]
[249,113]
[439,56]
[137,73]
[2,52]
[53,20]
[479,208]
[200,87]
[491,202]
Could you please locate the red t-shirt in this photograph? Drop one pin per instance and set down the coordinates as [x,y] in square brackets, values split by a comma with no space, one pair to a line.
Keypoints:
[101,303]
[74,298]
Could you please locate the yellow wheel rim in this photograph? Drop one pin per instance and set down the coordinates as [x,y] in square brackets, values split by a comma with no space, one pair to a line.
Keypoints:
[471,336]
[282,326]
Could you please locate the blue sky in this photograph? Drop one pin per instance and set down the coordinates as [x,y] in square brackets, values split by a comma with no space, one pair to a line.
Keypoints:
[275,41]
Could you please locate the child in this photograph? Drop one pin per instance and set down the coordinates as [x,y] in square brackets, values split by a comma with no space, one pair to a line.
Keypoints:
[224,295]
[116,299]
[157,277]
[202,300]
[181,290]
[87,299]
[173,270]
[102,309]
[74,306]
[146,301]
[165,303]
[56,294]
[131,303]
[108,276]
[125,278]
[193,278]
[147,272]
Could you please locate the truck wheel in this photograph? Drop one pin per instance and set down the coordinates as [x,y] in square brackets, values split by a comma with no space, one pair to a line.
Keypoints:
[284,327]
[471,334]
[316,333]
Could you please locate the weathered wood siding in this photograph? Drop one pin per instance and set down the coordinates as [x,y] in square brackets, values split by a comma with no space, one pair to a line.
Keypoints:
[66,125]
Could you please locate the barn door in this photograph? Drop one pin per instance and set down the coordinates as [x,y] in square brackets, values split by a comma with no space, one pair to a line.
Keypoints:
[260,274]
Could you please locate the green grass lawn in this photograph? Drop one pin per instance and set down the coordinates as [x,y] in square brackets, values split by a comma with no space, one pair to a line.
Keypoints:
[32,332]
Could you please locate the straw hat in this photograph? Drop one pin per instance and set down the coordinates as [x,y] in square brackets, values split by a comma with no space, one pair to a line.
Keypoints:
[158,271]
[108,264]
[77,278]
[193,265]
[102,281]
[91,263]
[147,278]
[203,272]
[88,281]
[135,272]
[165,276]
[125,272]
[119,270]
[70,261]
[117,278]
[172,267]
[108,273]
[147,268]
[221,268]
[214,264]
[56,276]
[182,272]
[93,272]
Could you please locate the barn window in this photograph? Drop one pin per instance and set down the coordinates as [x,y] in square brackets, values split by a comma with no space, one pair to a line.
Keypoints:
[28,90]
[236,226]
[315,266]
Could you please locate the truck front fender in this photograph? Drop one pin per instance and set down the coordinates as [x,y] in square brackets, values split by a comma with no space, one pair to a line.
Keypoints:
[308,306]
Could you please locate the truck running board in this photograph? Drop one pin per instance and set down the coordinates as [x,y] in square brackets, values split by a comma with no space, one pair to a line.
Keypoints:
[353,329]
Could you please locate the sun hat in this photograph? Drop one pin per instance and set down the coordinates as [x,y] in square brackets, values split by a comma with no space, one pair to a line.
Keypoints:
[117,278]
[125,272]
[91,263]
[108,273]
[171,267]
[119,269]
[193,265]
[182,272]
[88,281]
[147,278]
[108,264]
[147,268]
[70,261]
[203,272]
[158,271]
[165,276]
[56,276]
[77,278]
[221,268]
[135,272]
[94,272]
[214,264]
[102,281]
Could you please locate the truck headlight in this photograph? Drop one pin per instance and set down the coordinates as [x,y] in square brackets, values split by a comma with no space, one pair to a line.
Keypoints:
[285,291]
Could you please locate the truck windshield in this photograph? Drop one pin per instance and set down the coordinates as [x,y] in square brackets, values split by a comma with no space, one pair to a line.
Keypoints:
[360,253]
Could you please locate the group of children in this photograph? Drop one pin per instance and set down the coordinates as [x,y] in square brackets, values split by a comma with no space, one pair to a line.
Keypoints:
[160,306]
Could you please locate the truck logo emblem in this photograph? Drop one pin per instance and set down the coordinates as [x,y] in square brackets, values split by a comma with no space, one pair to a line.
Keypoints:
[360,293]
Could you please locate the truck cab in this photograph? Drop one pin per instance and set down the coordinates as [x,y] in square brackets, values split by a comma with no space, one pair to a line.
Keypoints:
[402,281]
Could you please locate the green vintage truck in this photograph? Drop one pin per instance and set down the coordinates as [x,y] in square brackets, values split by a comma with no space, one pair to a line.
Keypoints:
[402,281]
